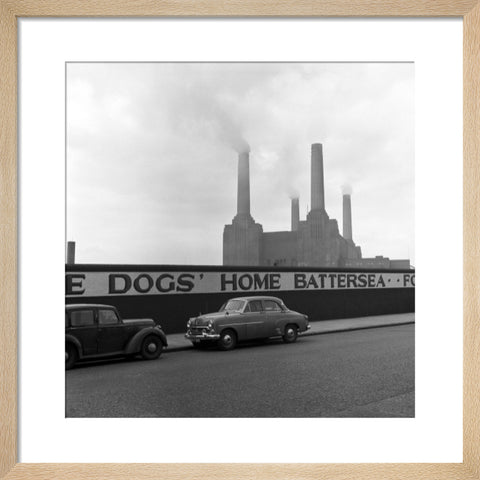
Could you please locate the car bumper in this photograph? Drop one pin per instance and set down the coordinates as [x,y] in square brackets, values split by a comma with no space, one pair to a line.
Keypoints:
[307,328]
[197,337]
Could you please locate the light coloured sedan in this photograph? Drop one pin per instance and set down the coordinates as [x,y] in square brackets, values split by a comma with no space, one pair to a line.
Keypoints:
[246,318]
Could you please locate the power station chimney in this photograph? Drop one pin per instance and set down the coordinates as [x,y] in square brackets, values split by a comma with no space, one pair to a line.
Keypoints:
[317,189]
[347,216]
[295,214]
[243,193]
[70,253]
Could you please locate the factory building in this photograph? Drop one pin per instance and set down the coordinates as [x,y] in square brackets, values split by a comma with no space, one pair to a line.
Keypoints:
[313,242]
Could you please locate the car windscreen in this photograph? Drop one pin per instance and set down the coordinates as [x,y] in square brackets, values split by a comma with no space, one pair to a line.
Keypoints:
[233,306]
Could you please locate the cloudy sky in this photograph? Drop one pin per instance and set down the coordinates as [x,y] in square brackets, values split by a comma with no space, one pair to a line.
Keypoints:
[152,162]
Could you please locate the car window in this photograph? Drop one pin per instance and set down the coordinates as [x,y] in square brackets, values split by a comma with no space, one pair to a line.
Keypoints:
[271,306]
[107,317]
[81,318]
[233,306]
[256,306]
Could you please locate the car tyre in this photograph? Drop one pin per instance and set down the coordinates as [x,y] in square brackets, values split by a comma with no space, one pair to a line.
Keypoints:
[151,347]
[71,356]
[291,333]
[227,340]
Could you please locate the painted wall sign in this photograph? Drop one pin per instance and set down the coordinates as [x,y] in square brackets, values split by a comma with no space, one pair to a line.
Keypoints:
[101,284]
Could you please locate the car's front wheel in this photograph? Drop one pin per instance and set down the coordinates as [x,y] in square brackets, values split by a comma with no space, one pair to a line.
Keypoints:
[71,356]
[290,334]
[227,340]
[151,347]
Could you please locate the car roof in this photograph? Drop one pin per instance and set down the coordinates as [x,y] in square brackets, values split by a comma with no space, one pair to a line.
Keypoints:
[74,306]
[257,297]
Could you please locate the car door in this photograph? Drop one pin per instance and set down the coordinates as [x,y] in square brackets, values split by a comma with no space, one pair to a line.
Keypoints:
[274,317]
[112,333]
[254,316]
[84,329]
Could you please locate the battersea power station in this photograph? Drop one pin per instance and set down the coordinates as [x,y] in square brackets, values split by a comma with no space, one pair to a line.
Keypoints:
[313,242]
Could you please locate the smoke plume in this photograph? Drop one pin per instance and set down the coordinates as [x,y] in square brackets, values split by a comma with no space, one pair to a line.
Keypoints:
[200,106]
[346,189]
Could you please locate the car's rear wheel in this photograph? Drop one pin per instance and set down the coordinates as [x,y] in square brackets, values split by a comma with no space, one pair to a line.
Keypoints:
[290,334]
[227,340]
[71,356]
[151,347]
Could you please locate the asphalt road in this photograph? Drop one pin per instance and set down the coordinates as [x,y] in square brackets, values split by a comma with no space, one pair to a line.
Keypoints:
[367,373]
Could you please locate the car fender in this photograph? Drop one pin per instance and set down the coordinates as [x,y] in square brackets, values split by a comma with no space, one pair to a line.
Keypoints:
[71,339]
[234,329]
[133,345]
[230,322]
[289,319]
[301,322]
[299,319]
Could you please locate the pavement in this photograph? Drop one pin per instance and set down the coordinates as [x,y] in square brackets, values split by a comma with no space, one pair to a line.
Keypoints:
[178,342]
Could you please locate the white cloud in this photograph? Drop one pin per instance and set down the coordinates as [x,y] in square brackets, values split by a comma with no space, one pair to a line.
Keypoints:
[151,166]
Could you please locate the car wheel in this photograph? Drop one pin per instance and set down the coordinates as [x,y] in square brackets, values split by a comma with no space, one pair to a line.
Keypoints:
[151,347]
[71,356]
[227,340]
[290,334]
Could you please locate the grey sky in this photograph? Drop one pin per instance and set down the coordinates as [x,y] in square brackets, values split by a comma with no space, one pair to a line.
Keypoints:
[151,161]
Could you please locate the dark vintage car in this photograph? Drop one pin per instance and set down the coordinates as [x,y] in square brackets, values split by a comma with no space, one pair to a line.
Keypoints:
[246,318]
[97,331]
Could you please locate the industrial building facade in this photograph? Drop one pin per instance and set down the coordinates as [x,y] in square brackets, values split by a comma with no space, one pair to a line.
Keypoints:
[313,242]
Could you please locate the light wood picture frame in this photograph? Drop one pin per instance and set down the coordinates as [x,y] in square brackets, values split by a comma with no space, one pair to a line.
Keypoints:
[12,10]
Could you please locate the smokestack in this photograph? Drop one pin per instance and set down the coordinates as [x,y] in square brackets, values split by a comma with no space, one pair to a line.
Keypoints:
[317,189]
[347,216]
[243,193]
[70,253]
[295,214]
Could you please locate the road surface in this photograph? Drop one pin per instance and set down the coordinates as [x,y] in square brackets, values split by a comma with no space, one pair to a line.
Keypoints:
[366,373]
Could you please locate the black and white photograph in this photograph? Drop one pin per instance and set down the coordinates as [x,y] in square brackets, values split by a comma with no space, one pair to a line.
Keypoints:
[240,240]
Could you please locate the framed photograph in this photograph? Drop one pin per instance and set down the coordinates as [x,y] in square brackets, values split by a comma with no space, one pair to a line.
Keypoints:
[227,209]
